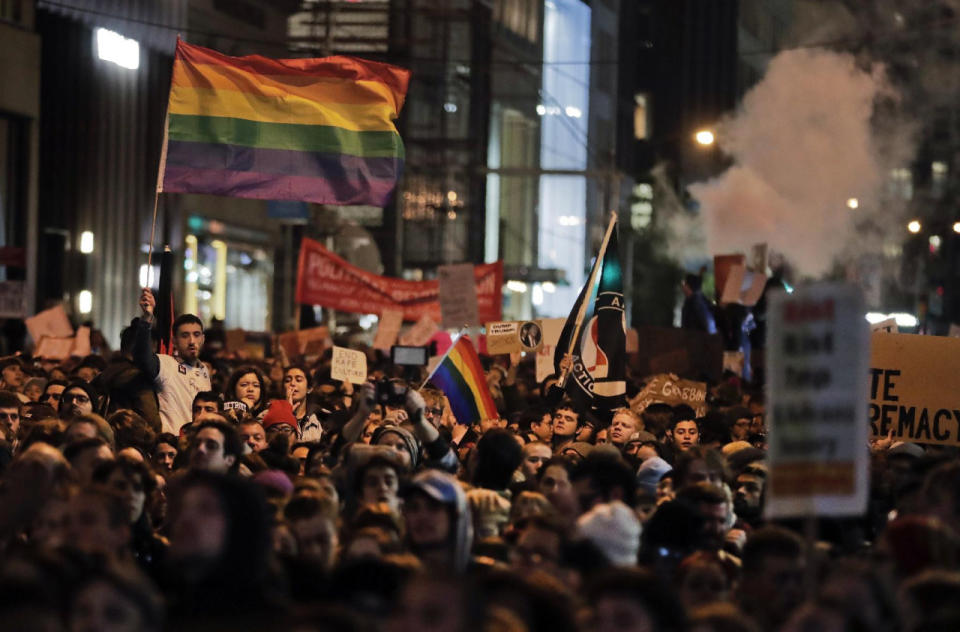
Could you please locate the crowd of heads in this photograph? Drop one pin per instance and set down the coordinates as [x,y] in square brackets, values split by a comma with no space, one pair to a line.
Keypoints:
[289,500]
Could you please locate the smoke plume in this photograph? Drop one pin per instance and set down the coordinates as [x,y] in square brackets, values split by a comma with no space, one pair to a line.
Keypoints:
[805,141]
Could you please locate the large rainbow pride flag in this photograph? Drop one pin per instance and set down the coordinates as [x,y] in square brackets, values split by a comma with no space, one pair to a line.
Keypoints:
[314,130]
[460,376]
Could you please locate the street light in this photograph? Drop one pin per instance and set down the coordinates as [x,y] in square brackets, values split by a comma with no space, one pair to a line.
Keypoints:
[853,203]
[704,137]
[914,226]
[956,227]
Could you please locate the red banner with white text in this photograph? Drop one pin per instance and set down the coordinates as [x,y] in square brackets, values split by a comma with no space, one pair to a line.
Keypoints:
[325,279]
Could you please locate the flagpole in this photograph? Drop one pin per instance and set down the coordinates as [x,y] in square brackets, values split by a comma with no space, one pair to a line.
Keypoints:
[442,358]
[586,298]
[160,169]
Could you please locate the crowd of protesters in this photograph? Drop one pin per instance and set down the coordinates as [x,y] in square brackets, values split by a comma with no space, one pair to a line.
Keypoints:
[201,491]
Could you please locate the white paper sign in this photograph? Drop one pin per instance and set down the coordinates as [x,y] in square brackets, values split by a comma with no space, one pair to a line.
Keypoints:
[551,335]
[458,296]
[888,326]
[51,322]
[348,365]
[818,359]
[388,329]
[11,299]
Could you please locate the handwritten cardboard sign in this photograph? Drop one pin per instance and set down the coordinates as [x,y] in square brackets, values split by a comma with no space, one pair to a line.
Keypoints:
[458,296]
[348,365]
[669,389]
[420,333]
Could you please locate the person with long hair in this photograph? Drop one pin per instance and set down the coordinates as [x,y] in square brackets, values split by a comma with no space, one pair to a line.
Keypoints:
[248,385]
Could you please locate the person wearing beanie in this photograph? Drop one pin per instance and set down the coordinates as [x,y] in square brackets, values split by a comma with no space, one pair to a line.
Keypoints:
[401,440]
[279,418]
[650,473]
[614,529]
[79,398]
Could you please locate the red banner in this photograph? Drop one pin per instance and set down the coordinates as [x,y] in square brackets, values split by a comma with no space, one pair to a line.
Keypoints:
[325,279]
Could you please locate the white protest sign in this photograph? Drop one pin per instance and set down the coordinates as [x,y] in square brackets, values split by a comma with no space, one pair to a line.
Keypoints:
[818,354]
[420,333]
[888,326]
[348,365]
[458,296]
[387,329]
[551,335]
[51,322]
[11,299]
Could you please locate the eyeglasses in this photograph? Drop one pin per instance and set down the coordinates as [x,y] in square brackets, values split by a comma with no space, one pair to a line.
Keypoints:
[5,416]
[80,399]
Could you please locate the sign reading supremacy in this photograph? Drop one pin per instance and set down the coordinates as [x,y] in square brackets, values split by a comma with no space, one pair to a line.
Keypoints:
[325,279]
[817,361]
[915,388]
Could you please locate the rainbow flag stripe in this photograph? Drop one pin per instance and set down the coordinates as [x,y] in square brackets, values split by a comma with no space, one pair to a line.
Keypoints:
[460,377]
[314,130]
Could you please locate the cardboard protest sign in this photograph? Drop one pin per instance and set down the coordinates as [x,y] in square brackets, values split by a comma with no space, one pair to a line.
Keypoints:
[551,335]
[669,389]
[12,303]
[888,326]
[733,362]
[915,388]
[51,348]
[817,361]
[514,336]
[51,322]
[235,339]
[458,296]
[388,329]
[420,333]
[755,284]
[733,284]
[81,342]
[721,270]
[348,365]
[311,341]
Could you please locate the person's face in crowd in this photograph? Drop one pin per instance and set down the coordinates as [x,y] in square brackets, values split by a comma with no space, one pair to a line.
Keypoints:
[87,461]
[316,540]
[376,416]
[89,529]
[75,402]
[199,527]
[686,435]
[248,390]
[645,507]
[565,422]
[616,613]
[714,525]
[187,341]
[395,441]
[774,588]
[434,411]
[201,407]
[33,392]
[131,488]
[602,437]
[665,489]
[543,428]
[367,435]
[13,377]
[428,605]
[489,424]
[622,428]
[704,583]
[537,549]
[207,452]
[555,479]
[254,436]
[48,532]
[741,429]
[300,454]
[699,472]
[748,492]
[80,430]
[428,523]
[534,456]
[10,420]
[86,373]
[756,425]
[99,607]
[51,395]
[164,456]
[281,429]
[295,385]
[380,485]
[585,432]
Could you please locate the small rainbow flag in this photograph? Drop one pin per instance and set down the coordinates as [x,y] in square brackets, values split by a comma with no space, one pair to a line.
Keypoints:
[313,130]
[460,377]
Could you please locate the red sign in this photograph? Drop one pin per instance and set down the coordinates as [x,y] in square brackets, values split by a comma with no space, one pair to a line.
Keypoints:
[325,279]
